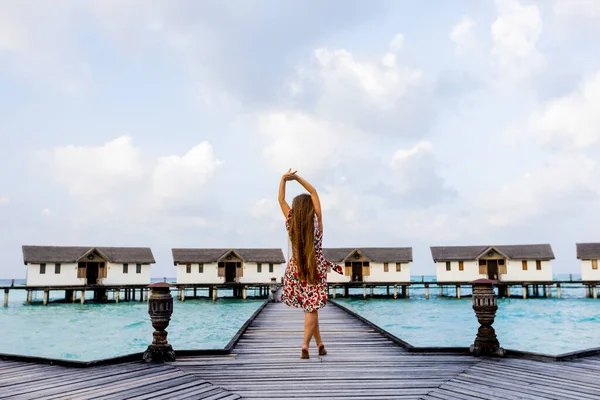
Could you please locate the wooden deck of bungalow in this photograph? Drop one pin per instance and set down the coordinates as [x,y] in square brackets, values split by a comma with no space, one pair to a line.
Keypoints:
[264,364]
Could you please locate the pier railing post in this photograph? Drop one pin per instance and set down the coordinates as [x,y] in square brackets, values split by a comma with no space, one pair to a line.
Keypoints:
[485,306]
[6,297]
[160,309]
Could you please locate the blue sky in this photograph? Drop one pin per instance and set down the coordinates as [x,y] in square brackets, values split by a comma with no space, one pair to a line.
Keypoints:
[168,124]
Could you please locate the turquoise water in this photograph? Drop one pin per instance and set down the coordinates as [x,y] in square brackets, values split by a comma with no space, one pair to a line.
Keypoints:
[94,331]
[541,325]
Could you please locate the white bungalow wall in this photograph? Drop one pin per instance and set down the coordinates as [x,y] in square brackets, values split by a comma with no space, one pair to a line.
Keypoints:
[589,274]
[67,276]
[469,273]
[377,273]
[211,273]
[514,271]
[115,275]
[334,277]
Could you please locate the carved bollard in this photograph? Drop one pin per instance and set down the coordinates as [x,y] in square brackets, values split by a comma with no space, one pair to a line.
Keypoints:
[160,308]
[485,306]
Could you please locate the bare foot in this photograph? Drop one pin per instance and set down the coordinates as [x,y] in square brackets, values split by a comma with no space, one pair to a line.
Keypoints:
[304,353]
[322,351]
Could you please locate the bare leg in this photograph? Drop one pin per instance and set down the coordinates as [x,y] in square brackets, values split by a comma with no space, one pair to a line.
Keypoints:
[317,331]
[311,321]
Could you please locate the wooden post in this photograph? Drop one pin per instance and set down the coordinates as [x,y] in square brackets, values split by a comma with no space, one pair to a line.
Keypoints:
[6,297]
[182,294]
[29,296]
[346,291]
[244,293]
[407,291]
[46,295]
[545,291]
[334,291]
[371,291]
[214,293]
[524,291]
[594,293]
[364,292]
[458,291]
[588,292]
[74,297]
[427,291]
[387,289]
[146,294]
[82,296]
[441,290]
[403,291]
[549,290]
[395,290]
[117,295]
[195,292]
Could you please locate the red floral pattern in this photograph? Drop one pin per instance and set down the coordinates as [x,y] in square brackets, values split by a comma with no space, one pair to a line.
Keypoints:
[300,294]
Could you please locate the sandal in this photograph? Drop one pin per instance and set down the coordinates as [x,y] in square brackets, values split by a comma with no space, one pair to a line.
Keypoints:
[322,351]
[304,354]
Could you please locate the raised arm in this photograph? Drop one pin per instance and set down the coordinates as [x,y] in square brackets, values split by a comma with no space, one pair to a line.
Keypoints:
[285,207]
[315,198]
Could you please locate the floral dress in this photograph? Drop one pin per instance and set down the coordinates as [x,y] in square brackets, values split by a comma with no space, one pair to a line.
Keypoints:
[300,294]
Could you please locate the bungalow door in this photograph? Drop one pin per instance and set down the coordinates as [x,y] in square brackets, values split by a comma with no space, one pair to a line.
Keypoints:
[492,269]
[357,271]
[230,268]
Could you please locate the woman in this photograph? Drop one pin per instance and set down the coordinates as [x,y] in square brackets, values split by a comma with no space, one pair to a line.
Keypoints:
[305,283]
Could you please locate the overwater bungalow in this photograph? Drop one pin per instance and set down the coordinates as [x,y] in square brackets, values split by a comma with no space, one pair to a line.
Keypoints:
[223,266]
[512,263]
[589,254]
[52,266]
[370,264]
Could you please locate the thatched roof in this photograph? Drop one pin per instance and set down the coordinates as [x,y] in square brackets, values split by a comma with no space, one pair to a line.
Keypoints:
[588,251]
[375,254]
[184,256]
[515,252]
[68,254]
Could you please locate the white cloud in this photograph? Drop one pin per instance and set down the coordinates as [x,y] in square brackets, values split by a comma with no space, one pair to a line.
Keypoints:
[178,177]
[514,35]
[92,171]
[584,9]
[572,120]
[4,200]
[301,141]
[463,36]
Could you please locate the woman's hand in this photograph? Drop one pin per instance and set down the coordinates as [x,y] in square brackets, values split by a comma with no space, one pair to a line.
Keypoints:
[290,176]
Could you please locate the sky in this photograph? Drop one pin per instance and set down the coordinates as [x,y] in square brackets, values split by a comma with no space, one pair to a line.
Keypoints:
[169,123]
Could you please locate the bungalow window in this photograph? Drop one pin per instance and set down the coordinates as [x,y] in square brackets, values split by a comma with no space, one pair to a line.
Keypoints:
[188,268]
[200,268]
[448,266]
[259,268]
[386,267]
[524,264]
[271,268]
[57,268]
[125,268]
[594,264]
[138,268]
[42,268]
[482,267]
[398,267]
[461,265]
[538,265]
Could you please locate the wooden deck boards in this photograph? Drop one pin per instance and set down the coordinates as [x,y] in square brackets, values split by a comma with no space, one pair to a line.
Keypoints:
[265,364]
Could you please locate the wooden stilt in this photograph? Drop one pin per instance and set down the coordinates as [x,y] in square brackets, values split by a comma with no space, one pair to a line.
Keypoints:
[244,293]
[145,294]
[5,297]
[46,295]
[182,294]
[214,293]
[403,291]
[441,290]
[550,290]
[407,291]
[588,292]
[458,291]
[364,291]
[195,292]
[427,292]
[594,292]
[333,291]
[371,291]
[395,290]
[117,295]
[524,291]
[133,294]
[29,296]
[346,291]
[82,296]
[545,292]
[558,294]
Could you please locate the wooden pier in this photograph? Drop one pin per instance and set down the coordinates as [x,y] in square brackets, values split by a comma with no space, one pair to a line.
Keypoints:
[264,364]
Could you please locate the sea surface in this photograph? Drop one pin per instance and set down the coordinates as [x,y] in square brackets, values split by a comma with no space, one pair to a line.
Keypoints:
[94,331]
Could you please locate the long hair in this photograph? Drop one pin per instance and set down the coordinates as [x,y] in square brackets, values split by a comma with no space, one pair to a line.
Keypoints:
[302,238]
